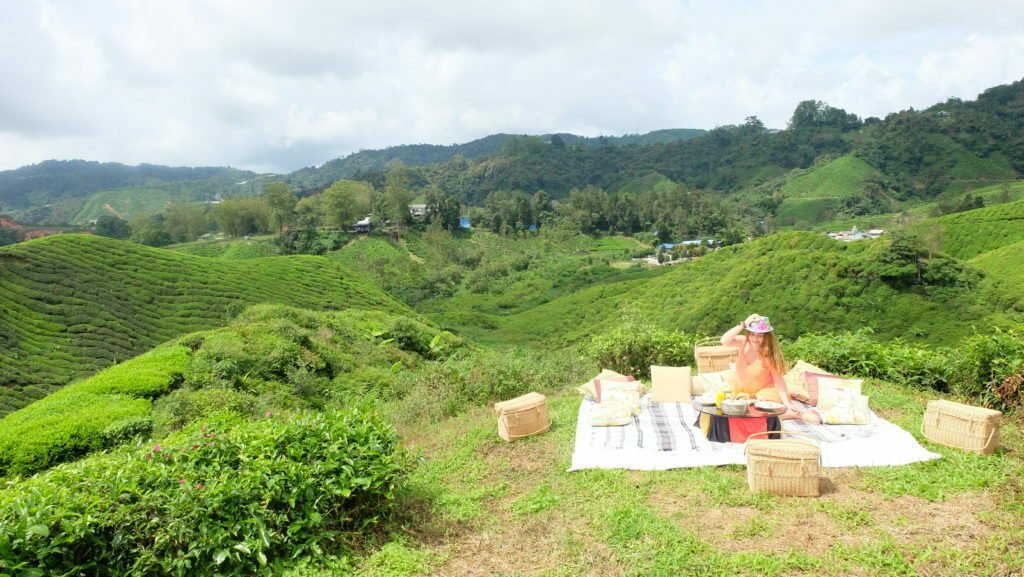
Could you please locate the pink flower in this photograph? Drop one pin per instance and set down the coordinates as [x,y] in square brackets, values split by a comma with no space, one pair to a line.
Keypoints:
[157,448]
[268,415]
[181,481]
[200,486]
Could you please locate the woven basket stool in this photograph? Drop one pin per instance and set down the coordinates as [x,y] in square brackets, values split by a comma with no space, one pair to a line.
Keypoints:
[973,429]
[790,467]
[522,416]
[712,357]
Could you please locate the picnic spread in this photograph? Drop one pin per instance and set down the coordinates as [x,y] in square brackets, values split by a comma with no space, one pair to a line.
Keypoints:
[622,424]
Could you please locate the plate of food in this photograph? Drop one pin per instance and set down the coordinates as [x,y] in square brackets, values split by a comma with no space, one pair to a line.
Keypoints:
[770,406]
[706,399]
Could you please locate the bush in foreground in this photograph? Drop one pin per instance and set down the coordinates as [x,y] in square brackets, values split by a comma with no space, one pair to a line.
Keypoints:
[225,500]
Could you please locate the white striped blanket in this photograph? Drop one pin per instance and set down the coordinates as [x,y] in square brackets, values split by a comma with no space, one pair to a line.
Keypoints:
[663,436]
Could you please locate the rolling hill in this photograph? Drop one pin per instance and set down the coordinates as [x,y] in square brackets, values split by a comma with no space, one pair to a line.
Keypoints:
[73,304]
[971,233]
[806,281]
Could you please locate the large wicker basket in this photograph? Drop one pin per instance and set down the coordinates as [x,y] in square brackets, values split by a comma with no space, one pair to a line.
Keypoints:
[712,357]
[789,467]
[974,429]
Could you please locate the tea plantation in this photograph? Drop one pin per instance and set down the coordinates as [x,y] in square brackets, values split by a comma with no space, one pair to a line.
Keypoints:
[809,282]
[73,304]
[968,234]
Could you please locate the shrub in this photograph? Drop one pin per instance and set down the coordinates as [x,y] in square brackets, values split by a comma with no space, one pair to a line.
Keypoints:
[858,354]
[449,387]
[219,500]
[631,349]
[99,412]
[986,367]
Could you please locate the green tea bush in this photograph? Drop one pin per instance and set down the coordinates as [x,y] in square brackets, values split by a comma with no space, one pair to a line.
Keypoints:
[242,499]
[102,411]
[984,369]
[631,349]
[987,363]
[859,355]
[449,387]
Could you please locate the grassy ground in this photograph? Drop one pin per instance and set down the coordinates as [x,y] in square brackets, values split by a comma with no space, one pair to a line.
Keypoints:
[490,508]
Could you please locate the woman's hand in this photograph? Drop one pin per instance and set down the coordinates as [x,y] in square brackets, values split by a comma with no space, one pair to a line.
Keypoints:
[750,319]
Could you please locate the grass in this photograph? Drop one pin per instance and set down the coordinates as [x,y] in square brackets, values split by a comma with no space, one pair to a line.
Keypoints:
[512,509]
[74,304]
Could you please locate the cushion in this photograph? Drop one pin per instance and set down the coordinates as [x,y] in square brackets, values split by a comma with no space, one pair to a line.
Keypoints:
[795,382]
[840,401]
[598,387]
[611,414]
[811,382]
[713,382]
[670,384]
[610,375]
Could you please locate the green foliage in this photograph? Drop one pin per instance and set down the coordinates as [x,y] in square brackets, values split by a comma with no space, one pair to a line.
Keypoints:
[632,348]
[449,387]
[985,368]
[75,304]
[808,282]
[113,227]
[102,411]
[215,500]
[968,234]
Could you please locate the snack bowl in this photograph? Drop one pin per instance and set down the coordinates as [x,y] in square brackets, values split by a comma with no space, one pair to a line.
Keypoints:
[735,406]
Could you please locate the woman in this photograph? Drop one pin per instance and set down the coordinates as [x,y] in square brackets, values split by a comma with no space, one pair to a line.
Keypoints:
[759,366]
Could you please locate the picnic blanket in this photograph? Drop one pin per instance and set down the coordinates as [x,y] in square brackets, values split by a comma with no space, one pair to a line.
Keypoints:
[663,436]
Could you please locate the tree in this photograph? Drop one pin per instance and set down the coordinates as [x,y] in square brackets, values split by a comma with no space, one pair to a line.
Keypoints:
[281,201]
[111,226]
[150,230]
[397,196]
[443,210]
[185,221]
[345,202]
[242,216]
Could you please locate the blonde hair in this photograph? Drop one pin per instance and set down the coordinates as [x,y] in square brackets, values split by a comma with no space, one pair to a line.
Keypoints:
[771,352]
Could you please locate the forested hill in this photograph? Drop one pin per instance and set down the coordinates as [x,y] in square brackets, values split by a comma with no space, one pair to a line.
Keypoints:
[365,161]
[54,180]
[952,146]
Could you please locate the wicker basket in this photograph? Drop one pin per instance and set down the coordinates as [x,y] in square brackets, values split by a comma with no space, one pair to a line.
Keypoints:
[973,429]
[790,467]
[712,356]
[522,416]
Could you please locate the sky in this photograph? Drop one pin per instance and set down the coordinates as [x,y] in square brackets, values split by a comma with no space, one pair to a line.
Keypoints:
[274,86]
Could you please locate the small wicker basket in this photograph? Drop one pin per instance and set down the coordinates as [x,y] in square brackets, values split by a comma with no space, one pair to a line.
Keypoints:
[522,416]
[712,356]
[790,467]
[973,429]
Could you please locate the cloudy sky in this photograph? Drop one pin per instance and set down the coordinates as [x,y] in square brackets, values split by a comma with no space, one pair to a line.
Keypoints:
[275,85]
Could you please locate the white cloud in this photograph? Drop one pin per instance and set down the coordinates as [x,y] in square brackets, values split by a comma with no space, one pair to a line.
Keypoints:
[278,85]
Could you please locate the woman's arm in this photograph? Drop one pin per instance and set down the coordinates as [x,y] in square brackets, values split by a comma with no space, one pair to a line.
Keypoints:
[732,337]
[780,386]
